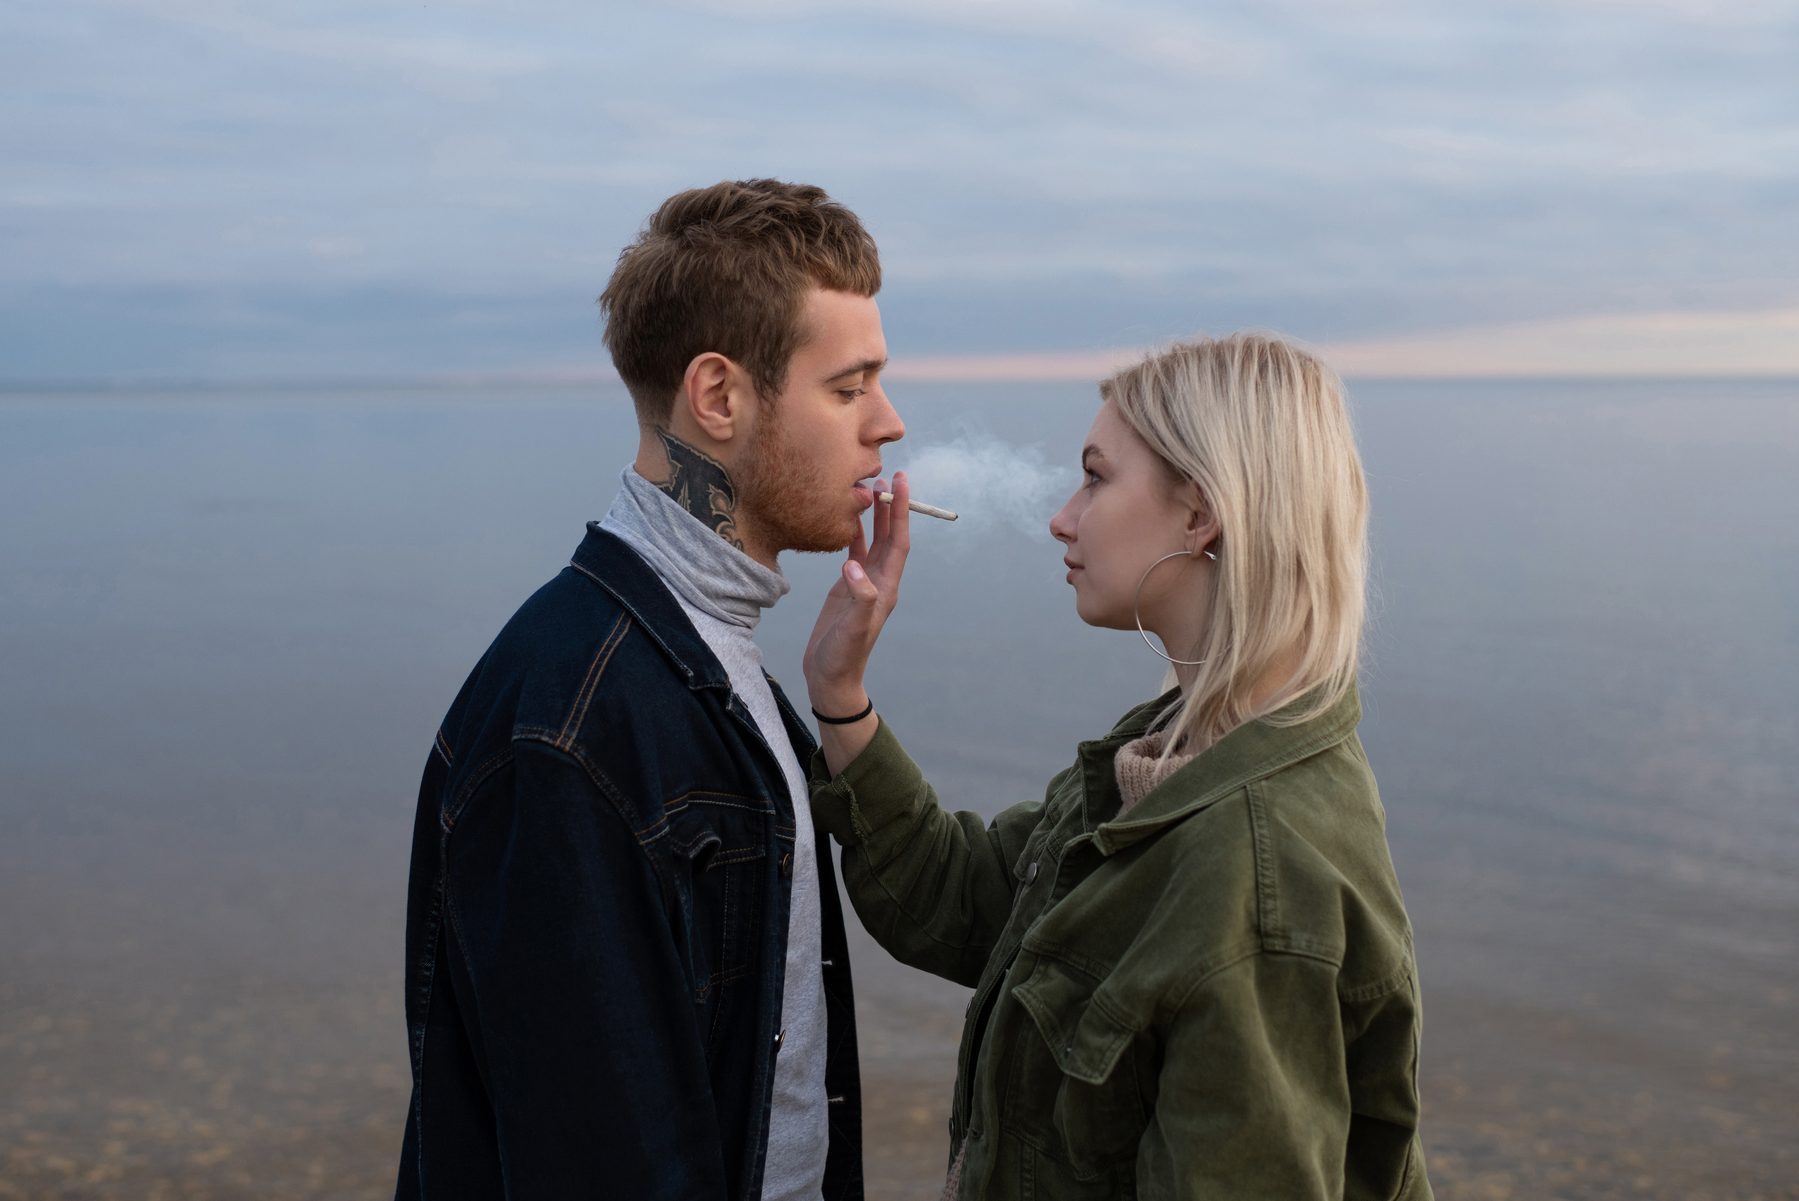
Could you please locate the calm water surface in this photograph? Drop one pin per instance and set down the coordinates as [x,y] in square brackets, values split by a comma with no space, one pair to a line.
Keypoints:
[229,624]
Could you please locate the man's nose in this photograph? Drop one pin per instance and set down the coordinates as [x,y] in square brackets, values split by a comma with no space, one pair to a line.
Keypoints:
[886,425]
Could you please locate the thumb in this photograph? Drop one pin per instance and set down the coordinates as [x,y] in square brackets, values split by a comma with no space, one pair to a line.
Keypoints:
[862,589]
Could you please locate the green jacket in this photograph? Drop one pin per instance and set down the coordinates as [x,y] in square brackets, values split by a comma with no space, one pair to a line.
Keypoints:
[1212,996]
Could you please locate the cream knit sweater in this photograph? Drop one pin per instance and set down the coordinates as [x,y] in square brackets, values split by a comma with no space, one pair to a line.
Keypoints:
[1138,769]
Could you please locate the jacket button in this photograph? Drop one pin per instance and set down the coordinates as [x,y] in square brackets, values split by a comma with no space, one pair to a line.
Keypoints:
[787,866]
[779,1039]
[1030,873]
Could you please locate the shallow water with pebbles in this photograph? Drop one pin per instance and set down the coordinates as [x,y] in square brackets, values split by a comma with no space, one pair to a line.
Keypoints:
[300,1094]
[230,623]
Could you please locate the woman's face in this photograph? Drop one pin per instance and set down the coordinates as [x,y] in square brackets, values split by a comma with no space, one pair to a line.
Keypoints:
[1128,512]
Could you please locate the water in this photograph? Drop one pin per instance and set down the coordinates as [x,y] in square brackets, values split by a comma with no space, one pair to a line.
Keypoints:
[229,624]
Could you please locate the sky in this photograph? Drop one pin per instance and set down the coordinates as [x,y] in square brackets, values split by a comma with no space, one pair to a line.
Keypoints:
[200,190]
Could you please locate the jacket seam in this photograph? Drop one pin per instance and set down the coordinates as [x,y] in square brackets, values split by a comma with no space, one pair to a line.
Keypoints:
[1268,913]
[1393,982]
[439,925]
[600,781]
[1411,1146]
[1095,969]
[584,698]
[669,808]
[1253,774]
[687,672]
[464,795]
[428,961]
[1206,976]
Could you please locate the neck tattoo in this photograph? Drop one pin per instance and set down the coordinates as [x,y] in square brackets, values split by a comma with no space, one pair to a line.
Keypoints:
[701,485]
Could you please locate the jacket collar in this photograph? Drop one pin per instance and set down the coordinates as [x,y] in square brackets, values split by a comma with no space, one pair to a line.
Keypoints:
[1248,753]
[604,558]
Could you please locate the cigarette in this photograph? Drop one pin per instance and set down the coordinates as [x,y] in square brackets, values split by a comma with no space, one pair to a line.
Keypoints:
[918,506]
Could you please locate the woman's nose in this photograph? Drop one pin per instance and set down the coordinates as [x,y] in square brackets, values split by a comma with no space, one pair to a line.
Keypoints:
[1061,528]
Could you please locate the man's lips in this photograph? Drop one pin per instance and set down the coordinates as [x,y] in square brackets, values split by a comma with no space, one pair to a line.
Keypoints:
[864,488]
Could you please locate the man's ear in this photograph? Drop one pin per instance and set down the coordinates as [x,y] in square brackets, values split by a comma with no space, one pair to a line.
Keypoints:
[716,396]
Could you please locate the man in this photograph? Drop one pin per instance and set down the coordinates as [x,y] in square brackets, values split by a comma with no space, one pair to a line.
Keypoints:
[626,973]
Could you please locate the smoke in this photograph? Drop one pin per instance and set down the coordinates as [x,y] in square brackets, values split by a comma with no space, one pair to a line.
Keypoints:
[989,482]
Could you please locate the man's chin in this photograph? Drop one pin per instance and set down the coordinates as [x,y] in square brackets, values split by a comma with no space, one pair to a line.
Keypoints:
[820,539]
[822,544]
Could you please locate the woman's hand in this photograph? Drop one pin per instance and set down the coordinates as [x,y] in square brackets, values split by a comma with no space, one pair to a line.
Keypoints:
[848,625]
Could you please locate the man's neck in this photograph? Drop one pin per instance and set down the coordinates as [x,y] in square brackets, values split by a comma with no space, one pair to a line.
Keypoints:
[695,480]
[701,568]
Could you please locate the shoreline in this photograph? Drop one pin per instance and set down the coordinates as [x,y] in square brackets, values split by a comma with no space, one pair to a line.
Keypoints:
[282,1089]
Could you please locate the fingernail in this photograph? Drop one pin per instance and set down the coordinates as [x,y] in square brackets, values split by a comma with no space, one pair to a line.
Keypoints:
[856,572]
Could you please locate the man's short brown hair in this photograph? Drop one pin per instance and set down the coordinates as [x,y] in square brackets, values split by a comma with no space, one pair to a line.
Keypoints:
[726,269]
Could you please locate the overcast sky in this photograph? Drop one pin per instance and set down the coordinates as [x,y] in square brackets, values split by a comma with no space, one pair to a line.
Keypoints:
[328,189]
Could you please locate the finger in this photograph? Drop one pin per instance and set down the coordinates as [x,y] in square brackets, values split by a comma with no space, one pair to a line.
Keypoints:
[883,516]
[859,542]
[900,537]
[889,558]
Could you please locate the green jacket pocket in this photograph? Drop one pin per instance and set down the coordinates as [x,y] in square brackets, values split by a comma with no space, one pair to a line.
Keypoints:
[1074,1091]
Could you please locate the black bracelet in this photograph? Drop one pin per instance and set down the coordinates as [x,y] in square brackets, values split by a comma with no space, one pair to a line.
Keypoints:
[845,721]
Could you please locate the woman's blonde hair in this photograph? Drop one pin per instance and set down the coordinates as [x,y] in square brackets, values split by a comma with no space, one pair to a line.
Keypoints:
[1261,427]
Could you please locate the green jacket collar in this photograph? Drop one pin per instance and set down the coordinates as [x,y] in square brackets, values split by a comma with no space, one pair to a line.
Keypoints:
[1248,753]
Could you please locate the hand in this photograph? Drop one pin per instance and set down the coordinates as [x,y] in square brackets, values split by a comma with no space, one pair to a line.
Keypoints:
[857,606]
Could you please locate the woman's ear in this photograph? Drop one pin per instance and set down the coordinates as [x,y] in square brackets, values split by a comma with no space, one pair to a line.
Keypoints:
[1202,522]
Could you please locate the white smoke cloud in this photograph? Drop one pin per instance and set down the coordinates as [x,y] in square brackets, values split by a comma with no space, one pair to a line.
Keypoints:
[992,484]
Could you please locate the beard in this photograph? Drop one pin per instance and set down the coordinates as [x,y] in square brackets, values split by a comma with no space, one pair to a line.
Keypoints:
[787,500]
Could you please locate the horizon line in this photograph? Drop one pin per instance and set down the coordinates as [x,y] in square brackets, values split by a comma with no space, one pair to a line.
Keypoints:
[1718,344]
[933,374]
[1694,344]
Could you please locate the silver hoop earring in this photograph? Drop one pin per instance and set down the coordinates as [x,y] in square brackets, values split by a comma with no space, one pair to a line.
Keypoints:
[1137,600]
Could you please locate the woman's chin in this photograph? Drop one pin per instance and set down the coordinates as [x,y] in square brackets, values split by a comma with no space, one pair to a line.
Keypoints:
[1099,617]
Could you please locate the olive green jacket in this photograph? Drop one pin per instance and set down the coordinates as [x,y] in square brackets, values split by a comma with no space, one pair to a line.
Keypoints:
[1210,996]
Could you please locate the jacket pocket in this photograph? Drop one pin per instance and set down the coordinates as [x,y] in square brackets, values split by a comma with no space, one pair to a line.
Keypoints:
[718,851]
[1074,1090]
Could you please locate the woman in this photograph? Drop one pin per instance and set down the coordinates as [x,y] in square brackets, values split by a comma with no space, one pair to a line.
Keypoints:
[1192,964]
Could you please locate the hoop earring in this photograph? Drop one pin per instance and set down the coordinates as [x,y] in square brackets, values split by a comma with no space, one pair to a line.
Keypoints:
[1137,600]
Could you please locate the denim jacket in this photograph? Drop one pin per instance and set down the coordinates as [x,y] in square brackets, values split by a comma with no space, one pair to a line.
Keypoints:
[596,927]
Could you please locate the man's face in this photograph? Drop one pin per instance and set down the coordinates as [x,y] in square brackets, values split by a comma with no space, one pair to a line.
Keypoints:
[801,477]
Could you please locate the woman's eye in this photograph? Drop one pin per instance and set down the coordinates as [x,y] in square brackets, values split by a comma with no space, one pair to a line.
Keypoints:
[1092,478]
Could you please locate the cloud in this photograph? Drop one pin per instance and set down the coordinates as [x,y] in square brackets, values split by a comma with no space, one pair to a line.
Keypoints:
[1041,177]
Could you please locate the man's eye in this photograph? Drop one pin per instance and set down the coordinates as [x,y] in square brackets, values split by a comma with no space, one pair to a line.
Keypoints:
[852,393]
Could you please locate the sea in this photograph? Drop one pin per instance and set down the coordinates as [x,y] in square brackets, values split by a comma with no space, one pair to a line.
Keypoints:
[231,618]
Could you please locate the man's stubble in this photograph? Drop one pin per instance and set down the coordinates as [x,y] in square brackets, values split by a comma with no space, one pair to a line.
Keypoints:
[787,498]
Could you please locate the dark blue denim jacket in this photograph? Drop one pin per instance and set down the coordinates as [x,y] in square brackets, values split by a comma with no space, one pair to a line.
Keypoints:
[596,928]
